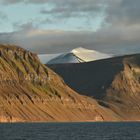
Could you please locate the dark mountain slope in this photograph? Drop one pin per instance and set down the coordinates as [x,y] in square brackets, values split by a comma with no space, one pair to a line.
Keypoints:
[114,82]
[92,76]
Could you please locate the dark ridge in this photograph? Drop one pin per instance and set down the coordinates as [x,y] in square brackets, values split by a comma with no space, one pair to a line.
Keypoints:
[92,78]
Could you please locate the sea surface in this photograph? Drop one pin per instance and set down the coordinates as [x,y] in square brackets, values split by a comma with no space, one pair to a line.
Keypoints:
[70,131]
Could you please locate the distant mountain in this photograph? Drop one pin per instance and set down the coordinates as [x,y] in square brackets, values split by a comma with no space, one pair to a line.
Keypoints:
[31,92]
[77,55]
[113,82]
[44,58]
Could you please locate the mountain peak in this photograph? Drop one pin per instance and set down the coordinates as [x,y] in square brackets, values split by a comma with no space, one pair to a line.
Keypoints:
[81,49]
[24,65]
[10,47]
[89,55]
[79,55]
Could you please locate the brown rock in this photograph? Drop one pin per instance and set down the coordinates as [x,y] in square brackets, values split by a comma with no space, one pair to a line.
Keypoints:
[31,92]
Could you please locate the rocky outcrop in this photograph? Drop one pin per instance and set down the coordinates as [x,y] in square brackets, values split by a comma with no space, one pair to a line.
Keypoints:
[31,92]
[124,91]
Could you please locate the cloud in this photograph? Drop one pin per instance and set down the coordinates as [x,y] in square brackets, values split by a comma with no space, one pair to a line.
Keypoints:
[3,16]
[119,34]
[123,12]
[116,11]
[24,26]
[110,40]
[72,8]
[10,1]
[4,2]
[63,8]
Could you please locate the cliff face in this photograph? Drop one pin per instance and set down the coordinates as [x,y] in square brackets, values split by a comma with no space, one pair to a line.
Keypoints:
[127,81]
[124,91]
[115,83]
[29,91]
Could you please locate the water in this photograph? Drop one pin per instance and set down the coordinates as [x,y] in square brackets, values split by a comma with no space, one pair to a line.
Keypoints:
[70,131]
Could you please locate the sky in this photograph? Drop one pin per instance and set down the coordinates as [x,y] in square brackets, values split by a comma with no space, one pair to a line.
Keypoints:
[56,26]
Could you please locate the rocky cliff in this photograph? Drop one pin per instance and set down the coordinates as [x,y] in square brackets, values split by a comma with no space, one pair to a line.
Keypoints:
[124,92]
[30,91]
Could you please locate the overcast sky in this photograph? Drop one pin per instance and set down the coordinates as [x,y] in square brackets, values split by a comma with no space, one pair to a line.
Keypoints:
[54,26]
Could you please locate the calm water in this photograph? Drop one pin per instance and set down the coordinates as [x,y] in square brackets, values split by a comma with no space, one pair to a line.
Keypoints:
[70,131]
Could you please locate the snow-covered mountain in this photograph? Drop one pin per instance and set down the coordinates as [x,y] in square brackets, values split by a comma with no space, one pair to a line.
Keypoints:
[44,58]
[77,55]
[86,55]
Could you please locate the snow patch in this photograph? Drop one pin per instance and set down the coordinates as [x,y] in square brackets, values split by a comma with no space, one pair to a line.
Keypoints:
[78,55]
